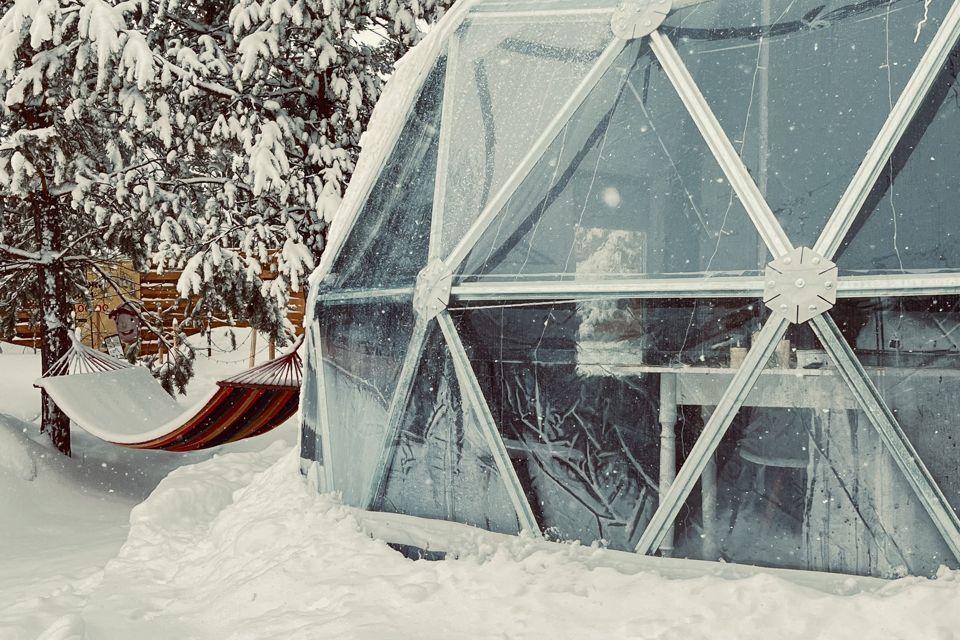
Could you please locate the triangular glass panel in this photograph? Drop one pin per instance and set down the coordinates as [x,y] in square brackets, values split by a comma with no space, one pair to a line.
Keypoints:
[802,87]
[510,78]
[909,221]
[440,464]
[364,343]
[575,390]
[910,347]
[802,479]
[627,189]
[388,244]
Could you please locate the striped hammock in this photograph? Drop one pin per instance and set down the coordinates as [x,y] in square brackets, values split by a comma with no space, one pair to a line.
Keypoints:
[124,404]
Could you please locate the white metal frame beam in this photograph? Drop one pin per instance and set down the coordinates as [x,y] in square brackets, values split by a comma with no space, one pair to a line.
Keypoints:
[314,341]
[443,150]
[713,432]
[733,168]
[537,149]
[903,112]
[401,395]
[720,287]
[899,285]
[889,430]
[359,190]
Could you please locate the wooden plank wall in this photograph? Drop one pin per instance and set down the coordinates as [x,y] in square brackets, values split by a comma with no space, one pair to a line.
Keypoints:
[158,293]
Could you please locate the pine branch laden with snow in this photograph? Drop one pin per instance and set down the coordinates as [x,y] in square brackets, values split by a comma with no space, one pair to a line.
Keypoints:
[275,96]
[213,137]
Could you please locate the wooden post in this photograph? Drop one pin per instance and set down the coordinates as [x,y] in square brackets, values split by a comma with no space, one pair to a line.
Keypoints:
[272,350]
[253,348]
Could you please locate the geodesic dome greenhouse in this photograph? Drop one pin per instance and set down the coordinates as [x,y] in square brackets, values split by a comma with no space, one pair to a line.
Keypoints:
[677,278]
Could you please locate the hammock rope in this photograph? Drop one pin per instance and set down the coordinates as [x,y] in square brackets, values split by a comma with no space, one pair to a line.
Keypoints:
[80,358]
[247,404]
[285,371]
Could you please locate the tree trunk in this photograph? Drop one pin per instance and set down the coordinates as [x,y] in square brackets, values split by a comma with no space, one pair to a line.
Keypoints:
[54,313]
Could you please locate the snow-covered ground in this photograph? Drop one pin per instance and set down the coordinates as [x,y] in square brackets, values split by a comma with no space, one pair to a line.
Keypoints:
[234,544]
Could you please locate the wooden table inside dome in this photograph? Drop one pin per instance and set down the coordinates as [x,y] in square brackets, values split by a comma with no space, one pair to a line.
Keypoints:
[786,388]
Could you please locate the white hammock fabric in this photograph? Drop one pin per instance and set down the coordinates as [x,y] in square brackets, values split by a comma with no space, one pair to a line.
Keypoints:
[125,405]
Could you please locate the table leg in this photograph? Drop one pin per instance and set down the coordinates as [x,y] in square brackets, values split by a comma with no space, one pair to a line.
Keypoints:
[668,445]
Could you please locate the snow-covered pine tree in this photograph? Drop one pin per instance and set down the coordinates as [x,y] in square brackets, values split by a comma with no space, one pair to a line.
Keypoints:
[213,136]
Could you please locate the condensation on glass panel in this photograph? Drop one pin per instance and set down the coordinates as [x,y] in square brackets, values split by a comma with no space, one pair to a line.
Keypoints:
[575,390]
[802,87]
[364,344]
[440,464]
[510,79]
[388,244]
[910,347]
[909,221]
[802,479]
[628,189]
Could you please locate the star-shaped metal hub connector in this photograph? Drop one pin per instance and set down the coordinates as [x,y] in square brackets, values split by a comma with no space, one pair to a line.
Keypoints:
[800,285]
[637,18]
[432,292]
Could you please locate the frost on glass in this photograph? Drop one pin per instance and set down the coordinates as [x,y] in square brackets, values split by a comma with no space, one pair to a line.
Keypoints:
[909,221]
[388,244]
[802,87]
[802,479]
[509,79]
[364,344]
[440,465]
[310,444]
[911,350]
[575,391]
[628,188]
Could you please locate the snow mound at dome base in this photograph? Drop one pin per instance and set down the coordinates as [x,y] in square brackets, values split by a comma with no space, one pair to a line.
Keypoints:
[239,546]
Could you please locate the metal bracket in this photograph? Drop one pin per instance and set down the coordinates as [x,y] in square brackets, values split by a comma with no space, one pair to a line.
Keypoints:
[800,285]
[637,18]
[432,292]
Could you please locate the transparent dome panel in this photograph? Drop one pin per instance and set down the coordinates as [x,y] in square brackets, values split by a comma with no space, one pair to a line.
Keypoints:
[388,243]
[802,88]
[508,79]
[909,221]
[801,479]
[363,344]
[627,189]
[577,401]
[910,347]
[440,465]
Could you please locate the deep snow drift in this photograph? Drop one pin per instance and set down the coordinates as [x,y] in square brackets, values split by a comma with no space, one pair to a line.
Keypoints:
[239,545]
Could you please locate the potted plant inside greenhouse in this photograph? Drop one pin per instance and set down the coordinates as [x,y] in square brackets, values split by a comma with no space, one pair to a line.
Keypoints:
[672,278]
